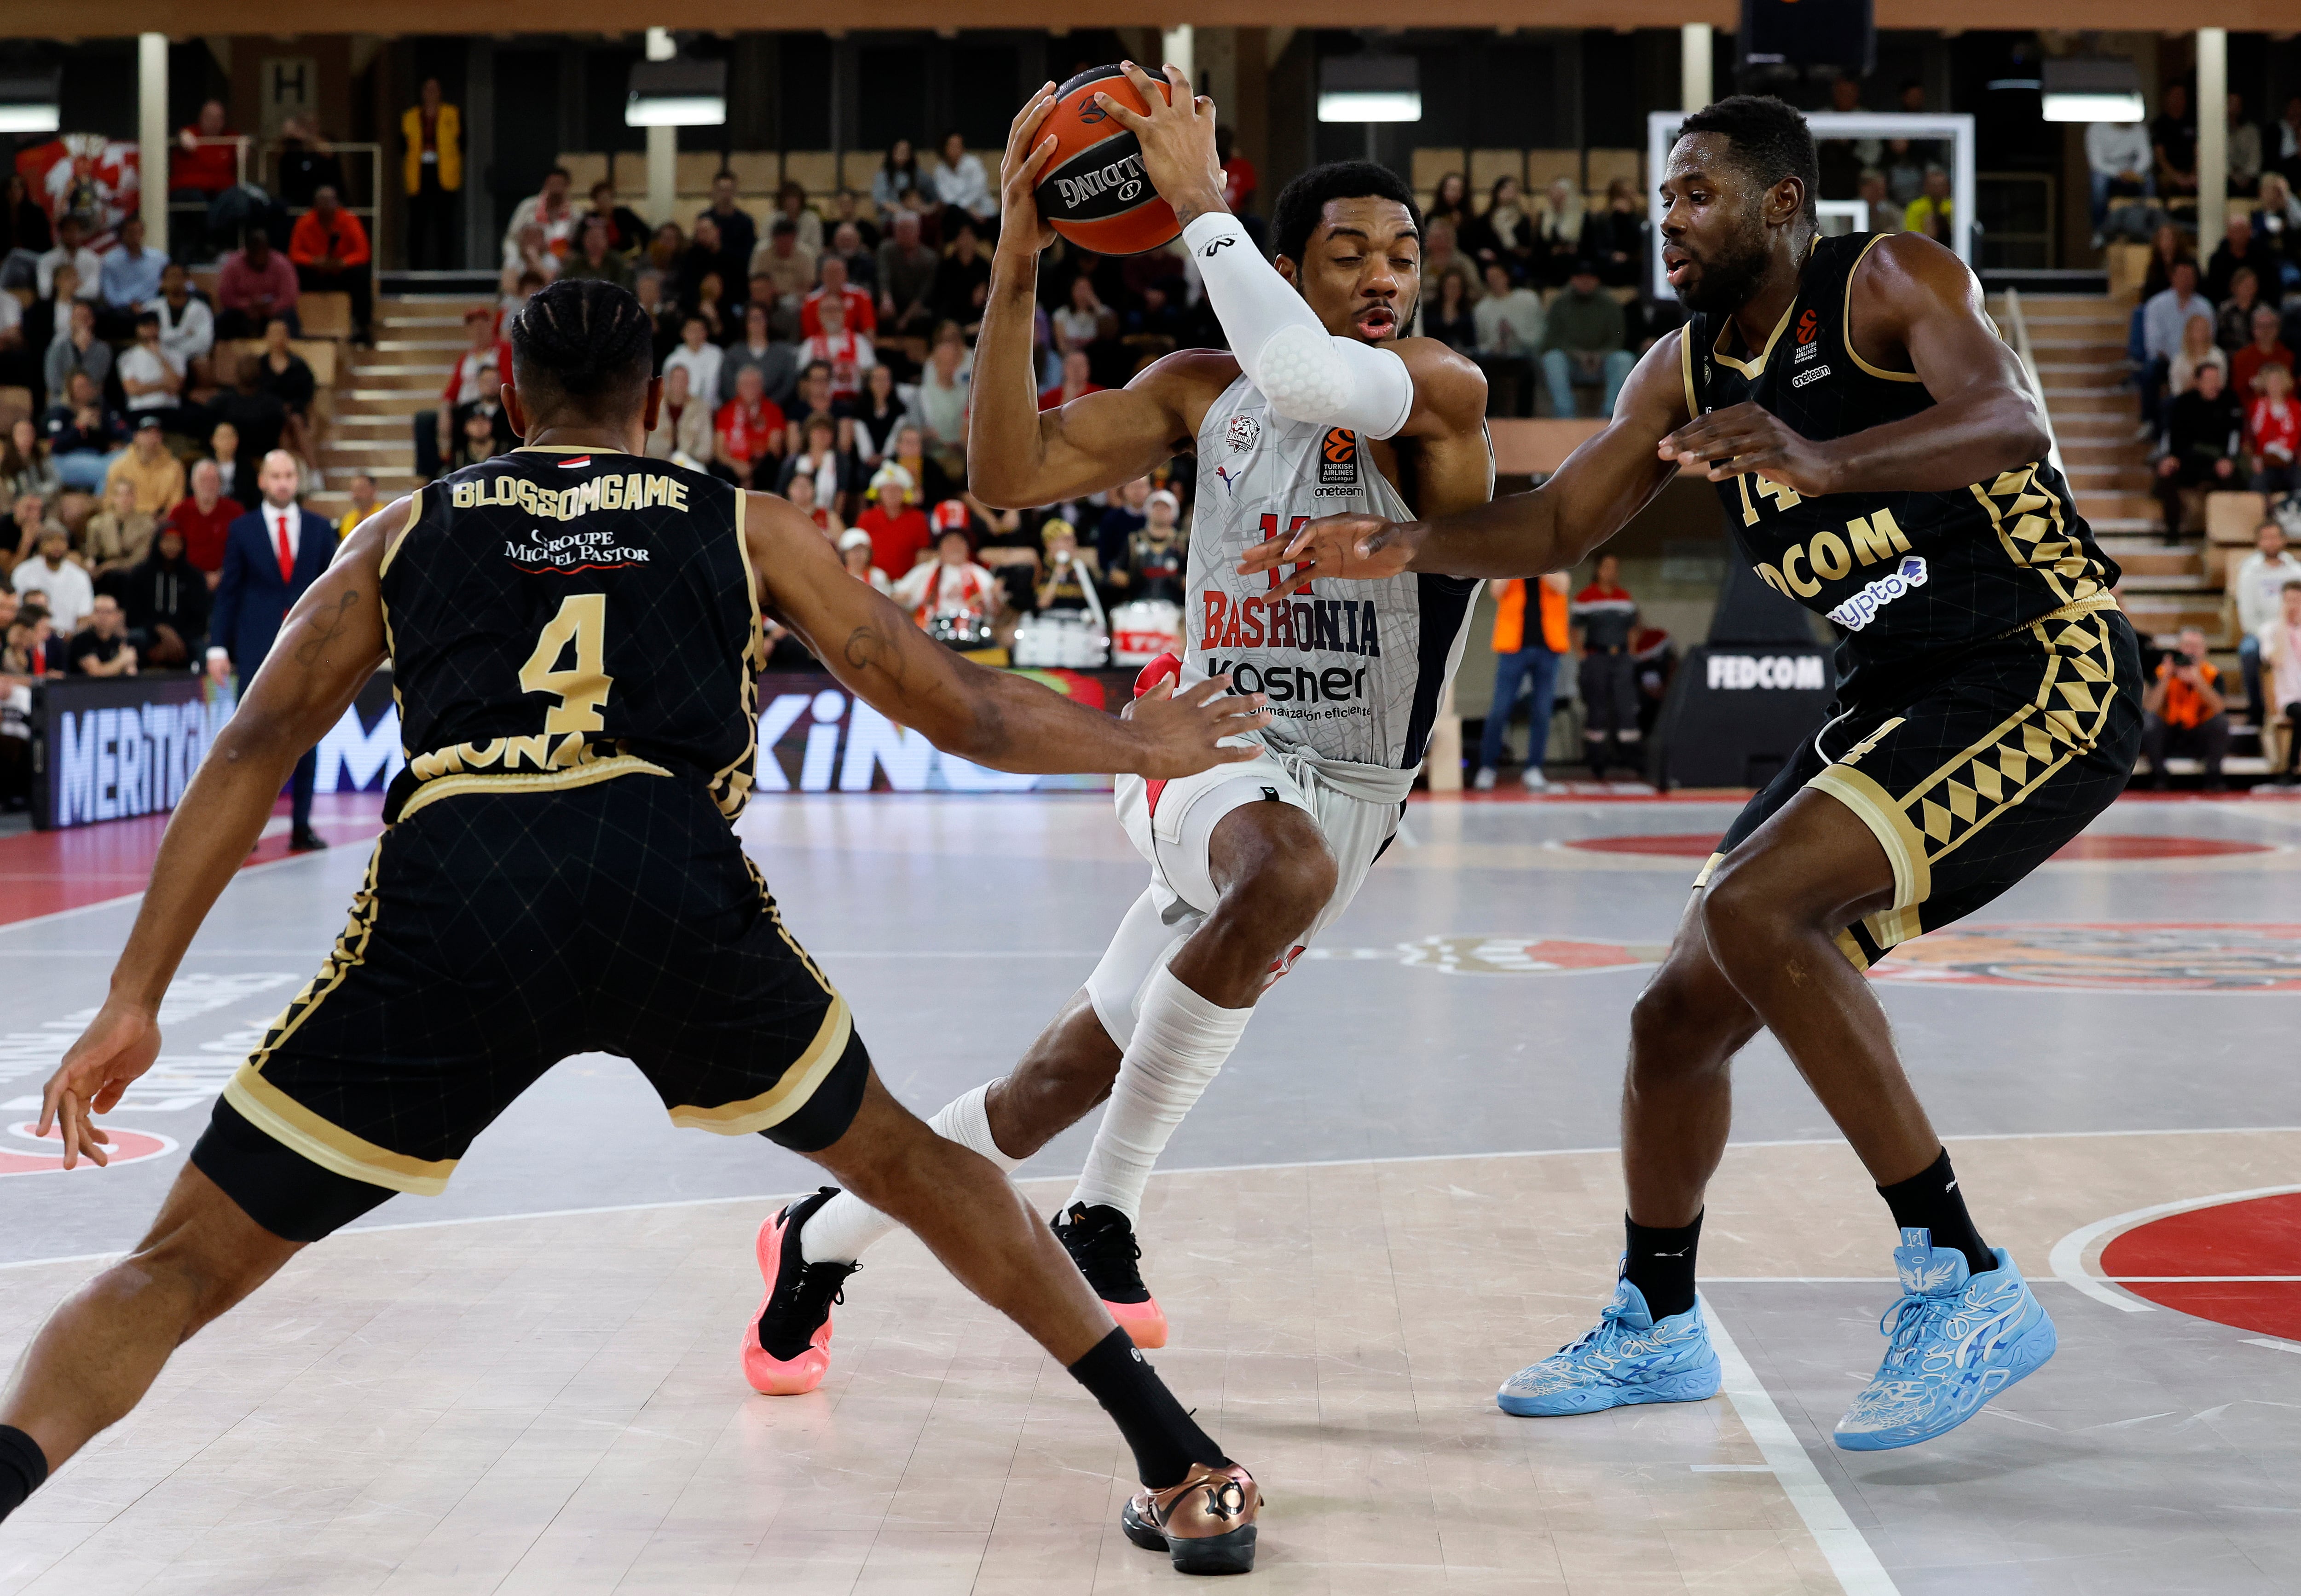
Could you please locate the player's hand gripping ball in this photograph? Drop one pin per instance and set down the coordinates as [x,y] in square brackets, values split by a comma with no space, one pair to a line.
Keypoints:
[1093,189]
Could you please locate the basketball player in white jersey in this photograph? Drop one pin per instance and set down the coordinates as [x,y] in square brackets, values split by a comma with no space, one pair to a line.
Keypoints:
[1321,407]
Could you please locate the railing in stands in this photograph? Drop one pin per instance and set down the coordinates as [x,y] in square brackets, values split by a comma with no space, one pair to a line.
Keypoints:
[2021,328]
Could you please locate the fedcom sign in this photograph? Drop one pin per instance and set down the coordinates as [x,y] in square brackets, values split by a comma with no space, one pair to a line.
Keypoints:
[1733,672]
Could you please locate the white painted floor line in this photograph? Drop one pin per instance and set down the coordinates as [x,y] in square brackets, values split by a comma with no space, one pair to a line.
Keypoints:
[2069,1255]
[1858,1570]
[2275,1346]
[128,898]
[1733,1468]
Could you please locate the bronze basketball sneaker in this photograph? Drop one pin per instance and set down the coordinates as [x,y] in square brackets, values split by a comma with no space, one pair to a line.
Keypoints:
[1205,1524]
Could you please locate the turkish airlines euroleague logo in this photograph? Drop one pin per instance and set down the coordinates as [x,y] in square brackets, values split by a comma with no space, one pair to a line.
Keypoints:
[1338,458]
[1808,327]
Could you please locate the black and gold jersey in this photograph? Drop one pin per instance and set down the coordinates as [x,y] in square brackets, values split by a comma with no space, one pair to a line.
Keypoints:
[1911,580]
[558,617]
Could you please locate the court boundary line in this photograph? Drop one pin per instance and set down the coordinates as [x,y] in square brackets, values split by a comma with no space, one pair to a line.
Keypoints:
[2067,1255]
[127,898]
[1841,1542]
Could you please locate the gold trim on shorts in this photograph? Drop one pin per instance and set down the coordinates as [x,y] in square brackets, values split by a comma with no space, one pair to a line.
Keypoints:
[789,1095]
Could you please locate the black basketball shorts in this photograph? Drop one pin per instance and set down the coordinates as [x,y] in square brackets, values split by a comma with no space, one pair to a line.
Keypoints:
[497,935]
[1975,779]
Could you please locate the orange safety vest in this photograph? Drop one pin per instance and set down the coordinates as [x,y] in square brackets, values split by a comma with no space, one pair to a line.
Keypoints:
[1509,617]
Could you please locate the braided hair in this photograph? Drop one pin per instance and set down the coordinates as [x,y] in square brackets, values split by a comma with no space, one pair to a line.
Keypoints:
[585,345]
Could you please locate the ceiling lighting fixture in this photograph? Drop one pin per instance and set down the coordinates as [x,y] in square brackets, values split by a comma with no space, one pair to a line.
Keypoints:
[2092,89]
[30,102]
[677,94]
[1369,88]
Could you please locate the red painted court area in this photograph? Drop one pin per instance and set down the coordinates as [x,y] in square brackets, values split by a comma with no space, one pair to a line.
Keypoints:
[2234,1263]
[1701,845]
[47,872]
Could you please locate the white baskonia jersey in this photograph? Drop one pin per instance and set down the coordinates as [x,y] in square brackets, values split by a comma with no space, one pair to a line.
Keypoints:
[1354,671]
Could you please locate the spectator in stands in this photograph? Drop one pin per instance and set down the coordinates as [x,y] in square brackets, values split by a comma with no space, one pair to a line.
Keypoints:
[31,523]
[1509,324]
[2243,148]
[273,555]
[1557,244]
[1155,556]
[71,250]
[131,273]
[1884,215]
[879,410]
[101,647]
[791,206]
[961,188]
[847,211]
[2168,246]
[1931,213]
[255,285]
[166,601]
[789,267]
[1605,615]
[117,537]
[698,357]
[816,455]
[2263,348]
[1085,322]
[257,418]
[1616,237]
[19,362]
[682,425]
[952,594]
[431,174]
[2239,248]
[1068,587]
[1526,651]
[2277,219]
[1446,313]
[548,210]
[479,441]
[906,277]
[1115,529]
[84,437]
[627,234]
[1839,161]
[1240,182]
[287,377]
[646,288]
[482,347]
[813,397]
[236,478]
[963,281]
[186,325]
[2234,324]
[25,466]
[1582,343]
[2184,714]
[2279,642]
[2257,587]
[907,449]
[847,353]
[306,163]
[897,526]
[777,363]
[799,490]
[2273,432]
[156,475]
[330,251]
[1442,257]
[943,393]
[1078,381]
[205,162]
[666,247]
[364,503]
[895,186]
[748,435]
[25,234]
[596,257]
[848,248]
[2174,137]
[150,377]
[64,579]
[487,402]
[2165,321]
[1450,203]
[2120,160]
[2197,351]
[2205,444]
[2289,140]
[76,349]
[738,231]
[203,519]
[855,554]
[862,315]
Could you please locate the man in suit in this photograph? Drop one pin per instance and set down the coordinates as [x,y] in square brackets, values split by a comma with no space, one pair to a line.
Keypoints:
[271,556]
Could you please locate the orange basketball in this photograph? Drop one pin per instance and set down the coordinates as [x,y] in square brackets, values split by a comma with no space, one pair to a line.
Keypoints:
[1094,190]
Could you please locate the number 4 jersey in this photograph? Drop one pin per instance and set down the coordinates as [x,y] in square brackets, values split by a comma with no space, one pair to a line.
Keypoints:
[558,617]
[1355,675]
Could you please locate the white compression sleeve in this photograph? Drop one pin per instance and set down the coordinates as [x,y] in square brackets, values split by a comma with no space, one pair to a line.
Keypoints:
[1181,1043]
[843,1227]
[1306,372]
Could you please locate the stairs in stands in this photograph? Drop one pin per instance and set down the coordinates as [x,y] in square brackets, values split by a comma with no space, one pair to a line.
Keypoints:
[418,337]
[2078,342]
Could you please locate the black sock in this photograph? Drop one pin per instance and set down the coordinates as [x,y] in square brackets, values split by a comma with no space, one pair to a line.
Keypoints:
[22,1469]
[1931,1201]
[1660,1265]
[1166,1440]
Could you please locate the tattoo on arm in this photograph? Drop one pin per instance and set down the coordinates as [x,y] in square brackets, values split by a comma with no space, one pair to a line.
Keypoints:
[327,629]
[866,650]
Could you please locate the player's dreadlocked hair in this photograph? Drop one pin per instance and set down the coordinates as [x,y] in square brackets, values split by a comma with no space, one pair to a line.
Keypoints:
[585,345]
[1771,141]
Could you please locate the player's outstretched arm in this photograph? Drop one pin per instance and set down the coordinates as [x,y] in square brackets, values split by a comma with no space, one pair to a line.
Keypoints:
[1592,495]
[1016,456]
[1913,306]
[992,717]
[328,646]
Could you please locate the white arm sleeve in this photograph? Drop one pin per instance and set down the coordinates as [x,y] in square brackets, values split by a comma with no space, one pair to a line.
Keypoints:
[1306,372]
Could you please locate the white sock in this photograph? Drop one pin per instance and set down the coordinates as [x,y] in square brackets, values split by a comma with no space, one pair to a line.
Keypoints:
[843,1227]
[1180,1041]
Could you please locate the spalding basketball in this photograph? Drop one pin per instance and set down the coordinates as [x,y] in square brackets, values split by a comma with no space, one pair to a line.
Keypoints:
[1094,190]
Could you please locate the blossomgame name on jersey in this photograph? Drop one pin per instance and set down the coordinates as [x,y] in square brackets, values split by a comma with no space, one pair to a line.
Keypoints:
[625,491]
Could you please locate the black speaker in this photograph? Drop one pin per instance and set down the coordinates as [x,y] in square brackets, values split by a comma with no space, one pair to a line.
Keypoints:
[1837,33]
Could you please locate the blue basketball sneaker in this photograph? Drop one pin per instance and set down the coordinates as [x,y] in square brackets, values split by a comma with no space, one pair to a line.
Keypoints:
[1956,1340]
[1627,1359]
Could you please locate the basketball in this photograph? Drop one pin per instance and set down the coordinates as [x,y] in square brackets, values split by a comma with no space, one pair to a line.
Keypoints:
[1094,190]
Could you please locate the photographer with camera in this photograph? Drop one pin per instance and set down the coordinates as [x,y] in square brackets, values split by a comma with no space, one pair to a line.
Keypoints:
[2184,714]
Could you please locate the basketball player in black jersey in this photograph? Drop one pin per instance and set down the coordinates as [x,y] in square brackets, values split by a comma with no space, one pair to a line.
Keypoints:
[1882,461]
[575,632]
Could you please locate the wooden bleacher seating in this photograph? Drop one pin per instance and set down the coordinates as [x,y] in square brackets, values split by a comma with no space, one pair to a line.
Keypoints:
[1545,167]
[815,171]
[1606,165]
[757,171]
[694,171]
[15,405]
[582,172]
[630,169]
[2230,518]
[857,168]
[2128,265]
[1489,167]
[324,315]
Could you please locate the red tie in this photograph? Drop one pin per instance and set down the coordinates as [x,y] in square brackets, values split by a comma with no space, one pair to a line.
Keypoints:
[286,554]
